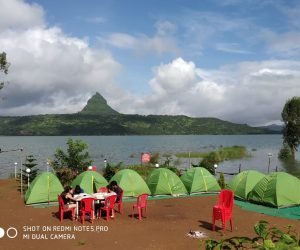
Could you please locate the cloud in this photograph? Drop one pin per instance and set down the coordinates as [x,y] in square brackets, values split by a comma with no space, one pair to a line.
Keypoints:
[161,43]
[205,29]
[16,14]
[285,44]
[52,72]
[231,48]
[249,92]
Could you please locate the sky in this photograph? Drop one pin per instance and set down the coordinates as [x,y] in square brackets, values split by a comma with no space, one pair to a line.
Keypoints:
[236,60]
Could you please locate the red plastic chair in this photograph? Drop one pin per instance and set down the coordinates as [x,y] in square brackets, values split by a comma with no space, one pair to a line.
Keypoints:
[141,203]
[62,209]
[120,203]
[108,206]
[102,190]
[223,211]
[87,207]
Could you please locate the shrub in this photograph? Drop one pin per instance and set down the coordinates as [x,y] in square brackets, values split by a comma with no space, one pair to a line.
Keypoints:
[285,152]
[154,158]
[65,175]
[74,161]
[221,180]
[209,161]
[267,238]
[111,170]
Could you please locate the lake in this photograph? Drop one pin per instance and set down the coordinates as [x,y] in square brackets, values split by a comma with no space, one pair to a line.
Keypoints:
[127,149]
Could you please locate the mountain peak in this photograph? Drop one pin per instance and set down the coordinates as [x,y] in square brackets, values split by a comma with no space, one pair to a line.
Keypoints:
[97,105]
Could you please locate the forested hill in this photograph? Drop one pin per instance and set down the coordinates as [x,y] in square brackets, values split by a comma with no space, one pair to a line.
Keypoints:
[91,121]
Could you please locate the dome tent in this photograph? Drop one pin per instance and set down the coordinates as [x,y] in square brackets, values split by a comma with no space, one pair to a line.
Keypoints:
[277,189]
[199,179]
[90,181]
[131,182]
[44,188]
[244,182]
[163,181]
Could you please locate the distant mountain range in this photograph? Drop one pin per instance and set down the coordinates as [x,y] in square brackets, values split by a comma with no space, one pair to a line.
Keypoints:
[98,118]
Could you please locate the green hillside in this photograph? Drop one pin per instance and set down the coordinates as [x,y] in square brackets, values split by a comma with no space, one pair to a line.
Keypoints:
[97,118]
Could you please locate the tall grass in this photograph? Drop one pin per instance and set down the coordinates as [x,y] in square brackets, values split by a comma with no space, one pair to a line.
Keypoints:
[224,153]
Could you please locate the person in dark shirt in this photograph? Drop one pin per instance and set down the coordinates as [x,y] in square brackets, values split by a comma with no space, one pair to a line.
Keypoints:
[67,196]
[78,190]
[113,186]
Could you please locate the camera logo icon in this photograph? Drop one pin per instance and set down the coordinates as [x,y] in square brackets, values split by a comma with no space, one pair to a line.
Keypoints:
[11,232]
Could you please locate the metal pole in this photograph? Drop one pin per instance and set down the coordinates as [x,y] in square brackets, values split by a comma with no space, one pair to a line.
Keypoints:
[28,180]
[16,170]
[21,150]
[269,164]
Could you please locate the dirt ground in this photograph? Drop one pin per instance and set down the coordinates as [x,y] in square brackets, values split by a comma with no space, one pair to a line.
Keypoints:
[165,227]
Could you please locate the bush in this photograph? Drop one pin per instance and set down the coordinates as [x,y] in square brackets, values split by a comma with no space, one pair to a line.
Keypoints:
[285,152]
[143,171]
[209,161]
[154,158]
[221,180]
[111,170]
[65,175]
[74,161]
[267,238]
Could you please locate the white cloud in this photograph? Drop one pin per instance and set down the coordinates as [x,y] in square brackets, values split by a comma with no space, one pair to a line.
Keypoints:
[165,28]
[52,72]
[176,76]
[285,44]
[231,48]
[122,40]
[162,42]
[16,14]
[249,92]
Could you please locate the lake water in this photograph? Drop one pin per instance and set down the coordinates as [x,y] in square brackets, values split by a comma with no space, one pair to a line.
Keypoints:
[127,149]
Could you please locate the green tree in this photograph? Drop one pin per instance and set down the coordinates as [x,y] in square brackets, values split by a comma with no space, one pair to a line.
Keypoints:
[291,118]
[209,161]
[30,163]
[111,170]
[285,152]
[68,164]
[3,66]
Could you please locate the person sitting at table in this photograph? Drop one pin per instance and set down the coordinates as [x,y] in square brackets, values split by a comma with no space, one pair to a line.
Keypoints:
[78,190]
[113,186]
[67,196]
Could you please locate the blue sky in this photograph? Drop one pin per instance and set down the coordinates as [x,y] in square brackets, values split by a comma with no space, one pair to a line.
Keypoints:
[237,60]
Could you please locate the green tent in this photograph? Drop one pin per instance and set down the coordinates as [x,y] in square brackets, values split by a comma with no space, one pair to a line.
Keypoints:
[277,189]
[44,188]
[90,181]
[198,180]
[163,181]
[131,182]
[244,182]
